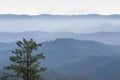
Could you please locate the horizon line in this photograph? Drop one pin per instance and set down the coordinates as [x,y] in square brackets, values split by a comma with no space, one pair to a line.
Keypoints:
[58,14]
[61,32]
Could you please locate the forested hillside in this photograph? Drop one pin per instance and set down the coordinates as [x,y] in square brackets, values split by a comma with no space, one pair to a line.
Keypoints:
[66,57]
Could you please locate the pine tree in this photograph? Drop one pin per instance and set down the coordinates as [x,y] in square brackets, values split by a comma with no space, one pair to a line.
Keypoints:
[25,65]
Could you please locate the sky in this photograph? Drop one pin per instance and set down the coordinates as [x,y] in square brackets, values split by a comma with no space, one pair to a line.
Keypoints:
[36,7]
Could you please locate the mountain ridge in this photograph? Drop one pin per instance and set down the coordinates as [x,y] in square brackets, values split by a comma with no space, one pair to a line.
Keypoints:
[112,38]
[7,16]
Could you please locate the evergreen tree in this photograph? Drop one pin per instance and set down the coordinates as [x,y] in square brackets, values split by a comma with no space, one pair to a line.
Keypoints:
[25,65]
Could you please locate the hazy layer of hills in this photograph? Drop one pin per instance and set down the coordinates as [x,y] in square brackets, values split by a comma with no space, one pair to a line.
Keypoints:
[61,26]
[60,23]
[104,37]
[65,57]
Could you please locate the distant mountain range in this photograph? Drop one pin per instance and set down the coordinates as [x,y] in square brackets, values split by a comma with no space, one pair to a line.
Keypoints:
[14,16]
[112,38]
[60,23]
[91,59]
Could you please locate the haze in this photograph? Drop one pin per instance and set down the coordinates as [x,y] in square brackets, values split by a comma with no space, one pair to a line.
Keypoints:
[52,23]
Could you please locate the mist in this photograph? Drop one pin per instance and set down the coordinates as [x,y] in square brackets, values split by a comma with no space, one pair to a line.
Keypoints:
[58,23]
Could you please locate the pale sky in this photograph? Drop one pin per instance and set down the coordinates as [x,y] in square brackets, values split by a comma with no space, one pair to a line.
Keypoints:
[35,7]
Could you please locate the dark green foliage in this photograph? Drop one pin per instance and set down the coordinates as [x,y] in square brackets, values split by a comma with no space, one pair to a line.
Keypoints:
[25,65]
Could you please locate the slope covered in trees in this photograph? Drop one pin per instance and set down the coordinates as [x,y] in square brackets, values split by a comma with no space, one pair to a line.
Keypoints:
[89,59]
